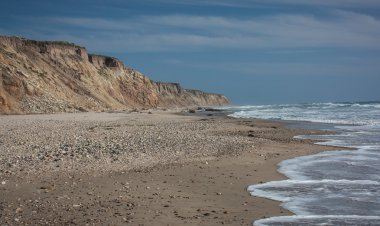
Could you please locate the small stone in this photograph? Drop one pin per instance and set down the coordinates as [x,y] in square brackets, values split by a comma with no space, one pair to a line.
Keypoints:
[3,182]
[218,193]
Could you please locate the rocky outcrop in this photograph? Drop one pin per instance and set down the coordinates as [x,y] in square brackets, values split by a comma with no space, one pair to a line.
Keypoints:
[41,77]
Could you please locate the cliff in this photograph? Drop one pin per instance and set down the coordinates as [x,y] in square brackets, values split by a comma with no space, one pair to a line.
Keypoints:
[43,77]
[174,94]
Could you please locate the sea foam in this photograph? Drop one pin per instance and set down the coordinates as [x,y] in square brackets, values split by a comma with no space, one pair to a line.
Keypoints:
[330,188]
[347,220]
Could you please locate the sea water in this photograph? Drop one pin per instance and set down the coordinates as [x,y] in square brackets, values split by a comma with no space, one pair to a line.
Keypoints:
[339,187]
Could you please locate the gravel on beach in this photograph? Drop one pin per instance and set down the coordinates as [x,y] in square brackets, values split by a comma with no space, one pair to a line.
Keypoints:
[138,168]
[89,141]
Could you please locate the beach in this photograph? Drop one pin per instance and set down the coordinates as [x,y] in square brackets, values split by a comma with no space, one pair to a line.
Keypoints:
[141,168]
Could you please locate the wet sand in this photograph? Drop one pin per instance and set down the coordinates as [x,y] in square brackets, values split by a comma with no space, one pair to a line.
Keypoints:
[167,169]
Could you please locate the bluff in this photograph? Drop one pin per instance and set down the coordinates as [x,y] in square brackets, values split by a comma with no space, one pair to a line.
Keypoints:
[51,76]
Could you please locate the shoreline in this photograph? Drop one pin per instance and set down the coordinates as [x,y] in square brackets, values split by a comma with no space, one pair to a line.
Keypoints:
[206,189]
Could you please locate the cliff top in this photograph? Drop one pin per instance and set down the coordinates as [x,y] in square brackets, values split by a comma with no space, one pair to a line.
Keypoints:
[37,42]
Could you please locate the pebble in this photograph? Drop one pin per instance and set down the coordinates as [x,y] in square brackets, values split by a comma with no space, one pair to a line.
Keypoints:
[18,210]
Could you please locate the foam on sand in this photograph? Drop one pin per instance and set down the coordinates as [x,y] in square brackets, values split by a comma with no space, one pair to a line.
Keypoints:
[348,220]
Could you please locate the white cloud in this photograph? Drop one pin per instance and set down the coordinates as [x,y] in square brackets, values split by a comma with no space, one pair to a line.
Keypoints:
[340,29]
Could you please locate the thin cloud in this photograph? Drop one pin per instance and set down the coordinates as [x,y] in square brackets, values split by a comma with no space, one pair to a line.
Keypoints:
[276,3]
[348,67]
[341,29]
[92,23]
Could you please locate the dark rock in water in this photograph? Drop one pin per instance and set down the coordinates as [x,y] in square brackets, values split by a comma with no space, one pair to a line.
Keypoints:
[213,109]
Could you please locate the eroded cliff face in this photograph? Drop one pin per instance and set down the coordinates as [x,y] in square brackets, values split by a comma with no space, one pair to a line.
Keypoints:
[173,94]
[42,77]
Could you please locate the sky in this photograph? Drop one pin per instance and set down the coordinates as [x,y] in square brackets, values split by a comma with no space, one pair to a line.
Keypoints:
[252,51]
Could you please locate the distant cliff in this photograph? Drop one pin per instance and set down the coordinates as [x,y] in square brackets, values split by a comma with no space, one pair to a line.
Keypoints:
[43,77]
[173,94]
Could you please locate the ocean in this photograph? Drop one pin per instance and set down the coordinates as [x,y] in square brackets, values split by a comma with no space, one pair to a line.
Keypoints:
[339,187]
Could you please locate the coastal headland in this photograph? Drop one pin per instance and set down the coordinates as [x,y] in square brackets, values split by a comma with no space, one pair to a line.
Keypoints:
[57,76]
[139,168]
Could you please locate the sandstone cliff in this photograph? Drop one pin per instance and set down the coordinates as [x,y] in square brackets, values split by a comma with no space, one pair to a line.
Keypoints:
[42,77]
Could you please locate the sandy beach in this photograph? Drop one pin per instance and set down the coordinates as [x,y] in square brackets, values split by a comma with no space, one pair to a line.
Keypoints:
[139,168]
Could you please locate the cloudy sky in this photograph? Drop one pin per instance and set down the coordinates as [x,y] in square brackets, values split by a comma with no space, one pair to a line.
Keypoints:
[253,51]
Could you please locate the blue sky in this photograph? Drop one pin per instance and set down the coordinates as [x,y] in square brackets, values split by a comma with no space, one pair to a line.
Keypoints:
[253,51]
